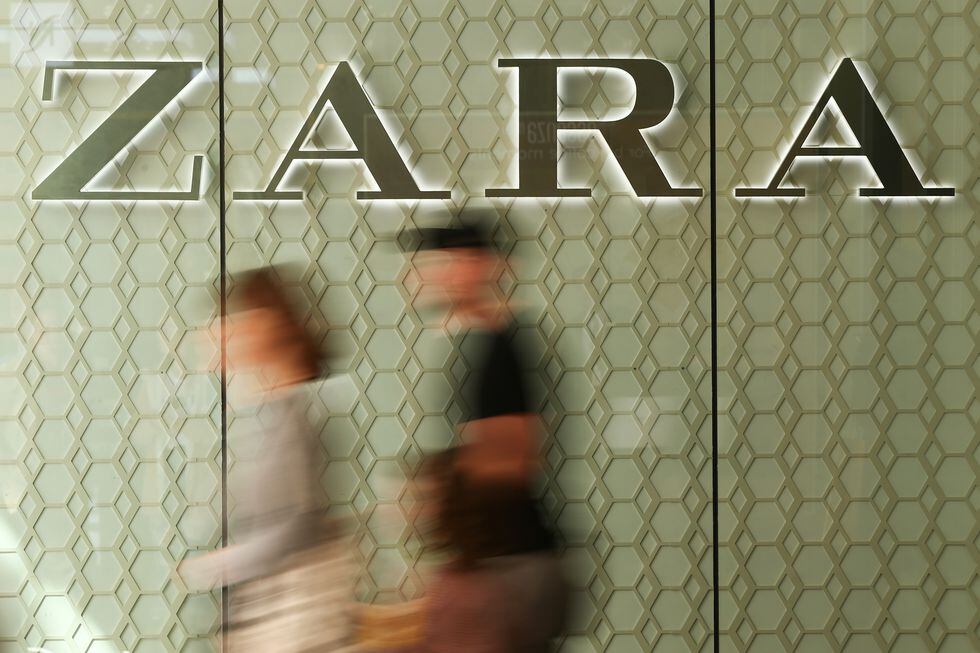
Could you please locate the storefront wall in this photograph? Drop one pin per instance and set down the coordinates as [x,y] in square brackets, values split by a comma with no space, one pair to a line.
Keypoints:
[848,337]
[109,413]
[846,326]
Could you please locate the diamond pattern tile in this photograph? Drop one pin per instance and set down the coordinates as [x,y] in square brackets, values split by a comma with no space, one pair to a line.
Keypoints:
[101,459]
[850,373]
[848,327]
[613,289]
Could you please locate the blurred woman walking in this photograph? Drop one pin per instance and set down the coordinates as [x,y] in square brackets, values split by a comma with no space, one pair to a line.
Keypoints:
[289,569]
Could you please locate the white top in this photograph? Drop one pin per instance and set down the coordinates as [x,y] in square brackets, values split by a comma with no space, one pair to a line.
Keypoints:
[280,510]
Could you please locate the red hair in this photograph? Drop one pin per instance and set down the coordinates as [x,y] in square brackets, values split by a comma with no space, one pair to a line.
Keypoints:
[262,288]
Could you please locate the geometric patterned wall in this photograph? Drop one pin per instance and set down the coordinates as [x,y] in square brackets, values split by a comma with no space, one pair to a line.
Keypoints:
[109,413]
[850,367]
[848,327]
[613,290]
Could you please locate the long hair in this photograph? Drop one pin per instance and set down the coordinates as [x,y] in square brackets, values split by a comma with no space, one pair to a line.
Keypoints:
[262,288]
[475,520]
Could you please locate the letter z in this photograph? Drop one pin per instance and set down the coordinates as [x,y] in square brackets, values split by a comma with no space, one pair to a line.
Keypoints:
[68,180]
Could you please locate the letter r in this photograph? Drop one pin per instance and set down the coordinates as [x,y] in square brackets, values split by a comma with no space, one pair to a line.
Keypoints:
[539,125]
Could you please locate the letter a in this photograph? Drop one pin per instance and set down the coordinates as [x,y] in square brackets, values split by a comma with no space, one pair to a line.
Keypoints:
[876,143]
[371,142]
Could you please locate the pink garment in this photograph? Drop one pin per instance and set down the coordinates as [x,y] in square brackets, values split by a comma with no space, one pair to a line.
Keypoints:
[466,613]
[508,604]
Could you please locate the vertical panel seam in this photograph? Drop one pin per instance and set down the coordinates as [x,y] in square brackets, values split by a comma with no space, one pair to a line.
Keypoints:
[713,248]
[222,265]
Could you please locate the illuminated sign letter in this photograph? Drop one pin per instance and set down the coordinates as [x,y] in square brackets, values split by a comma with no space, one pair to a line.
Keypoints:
[876,143]
[539,126]
[66,182]
[371,144]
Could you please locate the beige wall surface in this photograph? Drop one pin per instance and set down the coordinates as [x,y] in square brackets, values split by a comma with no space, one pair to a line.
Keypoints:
[847,326]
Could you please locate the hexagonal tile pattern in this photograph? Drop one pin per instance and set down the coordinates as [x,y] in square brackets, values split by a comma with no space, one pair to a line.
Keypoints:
[848,327]
[94,299]
[610,289]
[844,351]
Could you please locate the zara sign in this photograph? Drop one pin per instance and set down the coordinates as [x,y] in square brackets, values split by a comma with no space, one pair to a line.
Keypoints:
[538,128]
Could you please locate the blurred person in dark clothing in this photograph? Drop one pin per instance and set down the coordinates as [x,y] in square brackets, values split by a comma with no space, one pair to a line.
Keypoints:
[505,549]
[458,267]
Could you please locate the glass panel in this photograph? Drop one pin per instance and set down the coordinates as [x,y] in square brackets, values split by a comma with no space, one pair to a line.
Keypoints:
[109,412]
[611,288]
[848,288]
[849,379]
